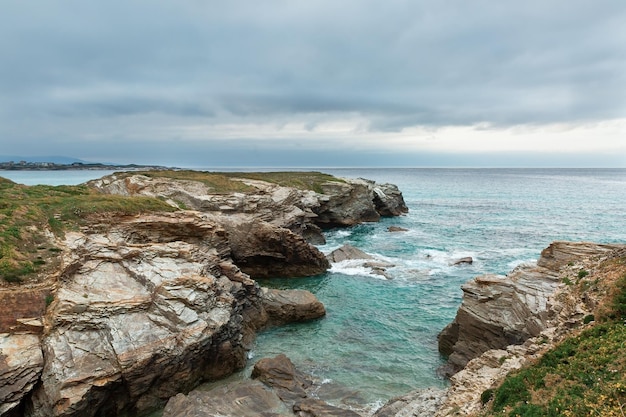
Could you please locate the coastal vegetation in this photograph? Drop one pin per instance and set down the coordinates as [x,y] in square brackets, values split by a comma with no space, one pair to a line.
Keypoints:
[585,375]
[29,213]
[228,182]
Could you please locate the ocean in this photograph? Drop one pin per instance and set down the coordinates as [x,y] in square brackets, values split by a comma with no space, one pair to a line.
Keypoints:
[379,338]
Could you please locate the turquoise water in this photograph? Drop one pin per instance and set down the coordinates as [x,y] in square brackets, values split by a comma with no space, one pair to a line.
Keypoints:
[379,338]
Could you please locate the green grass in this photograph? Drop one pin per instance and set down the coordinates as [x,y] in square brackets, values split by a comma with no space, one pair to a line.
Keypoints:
[222,183]
[584,375]
[26,212]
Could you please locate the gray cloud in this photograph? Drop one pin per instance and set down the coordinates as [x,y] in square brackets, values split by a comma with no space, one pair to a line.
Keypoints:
[395,63]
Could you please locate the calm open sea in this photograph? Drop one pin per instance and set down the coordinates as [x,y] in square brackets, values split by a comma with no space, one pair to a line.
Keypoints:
[379,338]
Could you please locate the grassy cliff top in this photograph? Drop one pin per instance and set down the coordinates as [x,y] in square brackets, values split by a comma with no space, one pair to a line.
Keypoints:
[585,375]
[227,182]
[29,213]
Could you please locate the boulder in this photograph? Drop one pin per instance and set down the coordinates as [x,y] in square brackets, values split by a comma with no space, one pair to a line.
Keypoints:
[347,252]
[280,374]
[397,229]
[279,390]
[287,306]
[239,399]
[312,407]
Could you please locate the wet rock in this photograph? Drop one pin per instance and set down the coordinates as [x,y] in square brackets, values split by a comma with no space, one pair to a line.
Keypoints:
[287,306]
[396,229]
[347,252]
[468,260]
[281,374]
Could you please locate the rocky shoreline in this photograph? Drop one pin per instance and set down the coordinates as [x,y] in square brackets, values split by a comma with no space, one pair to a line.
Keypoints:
[144,307]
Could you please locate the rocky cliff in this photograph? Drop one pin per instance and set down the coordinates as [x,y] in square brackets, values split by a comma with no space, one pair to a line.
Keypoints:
[142,307]
[506,322]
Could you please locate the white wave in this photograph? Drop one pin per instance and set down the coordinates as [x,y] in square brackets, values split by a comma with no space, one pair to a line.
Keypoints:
[354,267]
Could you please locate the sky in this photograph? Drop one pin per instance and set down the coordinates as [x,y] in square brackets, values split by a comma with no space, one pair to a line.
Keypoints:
[318,83]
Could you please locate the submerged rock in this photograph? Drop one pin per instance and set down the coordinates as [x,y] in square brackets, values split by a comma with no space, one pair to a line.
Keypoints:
[468,260]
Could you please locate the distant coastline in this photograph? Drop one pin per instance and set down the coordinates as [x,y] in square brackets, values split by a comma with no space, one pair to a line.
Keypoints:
[74,166]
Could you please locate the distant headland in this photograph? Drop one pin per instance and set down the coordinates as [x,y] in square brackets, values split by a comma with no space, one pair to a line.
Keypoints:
[55,166]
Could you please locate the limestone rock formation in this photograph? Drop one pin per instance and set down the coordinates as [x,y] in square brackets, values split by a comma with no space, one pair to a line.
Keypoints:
[263,250]
[520,317]
[345,203]
[498,311]
[144,307]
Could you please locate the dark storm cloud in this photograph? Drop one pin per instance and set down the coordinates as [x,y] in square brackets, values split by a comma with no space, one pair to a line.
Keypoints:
[395,63]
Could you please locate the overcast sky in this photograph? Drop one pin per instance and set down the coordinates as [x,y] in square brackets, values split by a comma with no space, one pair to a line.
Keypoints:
[316,83]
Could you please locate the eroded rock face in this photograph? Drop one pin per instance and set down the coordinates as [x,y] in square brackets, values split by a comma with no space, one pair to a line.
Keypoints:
[550,306]
[263,250]
[21,364]
[144,307]
[302,211]
[137,303]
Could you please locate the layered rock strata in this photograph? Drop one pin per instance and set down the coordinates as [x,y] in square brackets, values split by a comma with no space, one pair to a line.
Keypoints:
[534,308]
[498,311]
[144,307]
[341,203]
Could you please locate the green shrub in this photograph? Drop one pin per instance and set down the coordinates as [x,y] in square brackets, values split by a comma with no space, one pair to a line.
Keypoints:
[512,391]
[582,273]
[486,396]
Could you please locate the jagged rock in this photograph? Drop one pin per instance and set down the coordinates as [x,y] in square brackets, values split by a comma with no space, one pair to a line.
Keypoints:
[146,308]
[287,306]
[347,252]
[302,211]
[468,260]
[397,229]
[262,250]
[561,253]
[21,364]
[281,374]
[418,403]
[498,311]
[388,200]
